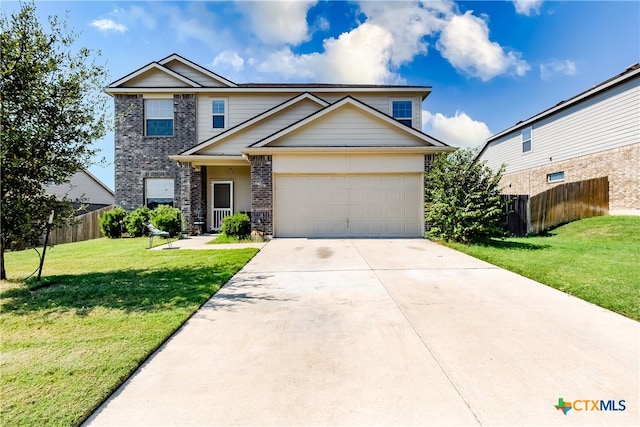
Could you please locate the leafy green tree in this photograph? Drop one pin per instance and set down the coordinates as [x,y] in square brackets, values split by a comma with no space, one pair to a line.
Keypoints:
[53,109]
[463,199]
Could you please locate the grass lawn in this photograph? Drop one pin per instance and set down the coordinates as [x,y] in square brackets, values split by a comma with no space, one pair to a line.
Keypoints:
[105,306]
[596,259]
[223,238]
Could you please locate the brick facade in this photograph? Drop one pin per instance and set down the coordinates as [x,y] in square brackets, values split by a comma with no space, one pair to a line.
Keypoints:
[621,165]
[137,157]
[261,194]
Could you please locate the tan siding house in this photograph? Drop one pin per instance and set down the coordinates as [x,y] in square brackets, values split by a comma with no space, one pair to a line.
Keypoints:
[303,160]
[594,134]
[83,189]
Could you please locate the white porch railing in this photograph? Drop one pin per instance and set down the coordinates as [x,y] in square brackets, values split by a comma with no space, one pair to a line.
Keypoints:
[216,217]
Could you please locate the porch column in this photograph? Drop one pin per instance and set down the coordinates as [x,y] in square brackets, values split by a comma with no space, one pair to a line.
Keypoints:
[197,201]
[261,194]
[184,197]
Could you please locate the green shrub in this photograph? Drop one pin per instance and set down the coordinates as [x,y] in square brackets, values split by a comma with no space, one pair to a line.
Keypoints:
[167,219]
[463,201]
[134,222]
[236,225]
[111,222]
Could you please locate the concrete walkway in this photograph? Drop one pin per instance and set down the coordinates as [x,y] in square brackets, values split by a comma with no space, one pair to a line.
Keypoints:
[202,242]
[384,332]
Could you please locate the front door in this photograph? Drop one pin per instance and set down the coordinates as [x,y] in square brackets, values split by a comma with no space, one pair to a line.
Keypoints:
[221,202]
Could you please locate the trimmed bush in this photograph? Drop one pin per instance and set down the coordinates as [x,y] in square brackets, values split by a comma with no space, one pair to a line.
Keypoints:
[167,219]
[237,225]
[111,222]
[463,201]
[134,222]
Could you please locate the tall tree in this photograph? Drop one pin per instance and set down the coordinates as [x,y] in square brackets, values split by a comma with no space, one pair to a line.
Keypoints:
[53,109]
[463,198]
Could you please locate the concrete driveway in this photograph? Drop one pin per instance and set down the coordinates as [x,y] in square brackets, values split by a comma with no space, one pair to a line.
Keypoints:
[385,332]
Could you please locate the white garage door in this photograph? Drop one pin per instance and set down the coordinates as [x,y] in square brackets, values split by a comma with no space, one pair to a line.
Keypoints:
[348,205]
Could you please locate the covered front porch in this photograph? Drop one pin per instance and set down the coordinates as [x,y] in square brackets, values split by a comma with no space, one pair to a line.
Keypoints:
[219,187]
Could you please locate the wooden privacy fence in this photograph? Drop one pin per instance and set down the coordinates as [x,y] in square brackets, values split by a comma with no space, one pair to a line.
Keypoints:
[558,205]
[86,227]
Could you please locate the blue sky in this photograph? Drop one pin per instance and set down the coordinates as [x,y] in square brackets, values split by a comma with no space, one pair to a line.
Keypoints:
[491,64]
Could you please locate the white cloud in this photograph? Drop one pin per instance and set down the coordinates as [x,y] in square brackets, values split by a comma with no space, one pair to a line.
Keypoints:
[136,14]
[121,20]
[392,35]
[358,56]
[458,131]
[465,43]
[194,23]
[277,22]
[106,25]
[549,69]
[228,59]
[408,23]
[323,24]
[527,7]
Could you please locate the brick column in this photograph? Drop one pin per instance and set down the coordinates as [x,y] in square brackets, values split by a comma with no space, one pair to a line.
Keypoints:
[261,194]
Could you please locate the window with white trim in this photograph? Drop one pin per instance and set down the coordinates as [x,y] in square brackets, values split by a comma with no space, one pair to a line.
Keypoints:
[219,113]
[402,110]
[555,177]
[526,140]
[158,117]
[158,191]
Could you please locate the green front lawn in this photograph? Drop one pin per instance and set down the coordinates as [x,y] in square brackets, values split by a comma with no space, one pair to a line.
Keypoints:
[596,259]
[103,306]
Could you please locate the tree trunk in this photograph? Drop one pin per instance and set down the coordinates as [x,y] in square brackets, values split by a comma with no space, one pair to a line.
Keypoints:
[3,272]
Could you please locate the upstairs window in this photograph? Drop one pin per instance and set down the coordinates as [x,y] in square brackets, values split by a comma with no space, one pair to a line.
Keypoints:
[219,113]
[158,117]
[526,140]
[402,111]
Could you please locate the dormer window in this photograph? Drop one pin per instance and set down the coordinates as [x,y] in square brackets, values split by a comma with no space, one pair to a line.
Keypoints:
[158,117]
[219,113]
[402,111]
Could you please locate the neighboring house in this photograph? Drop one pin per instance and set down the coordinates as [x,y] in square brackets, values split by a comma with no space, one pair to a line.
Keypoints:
[84,189]
[303,160]
[593,134]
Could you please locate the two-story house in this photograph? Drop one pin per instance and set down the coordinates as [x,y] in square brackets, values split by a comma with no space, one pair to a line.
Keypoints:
[303,160]
[593,134]
[83,189]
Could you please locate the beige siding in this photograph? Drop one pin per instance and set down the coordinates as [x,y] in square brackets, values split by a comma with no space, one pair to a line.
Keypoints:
[347,126]
[606,121]
[233,144]
[381,102]
[155,78]
[348,163]
[194,75]
[82,186]
[240,108]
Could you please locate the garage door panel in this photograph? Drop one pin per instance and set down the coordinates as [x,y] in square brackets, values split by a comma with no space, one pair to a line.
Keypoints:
[347,205]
